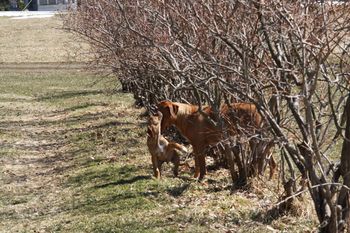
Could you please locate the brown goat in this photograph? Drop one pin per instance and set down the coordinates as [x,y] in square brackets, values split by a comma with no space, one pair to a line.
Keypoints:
[197,127]
[161,149]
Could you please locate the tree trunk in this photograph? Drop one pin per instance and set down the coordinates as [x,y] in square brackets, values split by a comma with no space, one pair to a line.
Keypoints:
[230,158]
[343,200]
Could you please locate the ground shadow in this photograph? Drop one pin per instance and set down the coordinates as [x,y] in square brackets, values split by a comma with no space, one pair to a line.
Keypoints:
[15,125]
[68,94]
[79,107]
[275,212]
[124,181]
[178,190]
[219,185]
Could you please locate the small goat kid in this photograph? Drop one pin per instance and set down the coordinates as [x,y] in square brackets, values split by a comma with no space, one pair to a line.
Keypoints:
[160,148]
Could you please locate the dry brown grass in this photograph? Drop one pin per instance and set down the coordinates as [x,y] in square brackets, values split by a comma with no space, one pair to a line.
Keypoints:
[36,40]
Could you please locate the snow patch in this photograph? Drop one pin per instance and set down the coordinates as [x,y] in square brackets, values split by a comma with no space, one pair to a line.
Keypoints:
[27,14]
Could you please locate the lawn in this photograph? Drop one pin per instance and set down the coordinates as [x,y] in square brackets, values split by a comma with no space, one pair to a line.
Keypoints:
[37,40]
[74,157]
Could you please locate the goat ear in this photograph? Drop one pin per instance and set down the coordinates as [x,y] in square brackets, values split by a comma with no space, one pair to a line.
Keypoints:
[174,110]
[160,115]
[149,132]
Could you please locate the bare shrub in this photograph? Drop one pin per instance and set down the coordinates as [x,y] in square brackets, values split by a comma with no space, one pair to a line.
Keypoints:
[289,58]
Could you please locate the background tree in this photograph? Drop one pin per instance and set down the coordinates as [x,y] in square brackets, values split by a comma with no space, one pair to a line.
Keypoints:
[4,5]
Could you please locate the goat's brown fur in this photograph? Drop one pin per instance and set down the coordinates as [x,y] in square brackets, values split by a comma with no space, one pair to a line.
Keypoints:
[197,127]
[160,148]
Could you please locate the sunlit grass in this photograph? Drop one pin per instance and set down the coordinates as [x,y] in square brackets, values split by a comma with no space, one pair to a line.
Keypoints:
[37,40]
[76,161]
[74,158]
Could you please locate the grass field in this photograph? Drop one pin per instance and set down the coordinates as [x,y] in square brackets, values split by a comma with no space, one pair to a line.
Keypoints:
[73,159]
[37,40]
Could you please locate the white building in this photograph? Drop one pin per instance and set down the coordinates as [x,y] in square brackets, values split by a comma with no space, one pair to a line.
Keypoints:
[43,5]
[52,5]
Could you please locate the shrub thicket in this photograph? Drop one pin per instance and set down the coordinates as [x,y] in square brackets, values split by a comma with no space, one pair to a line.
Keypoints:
[290,58]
